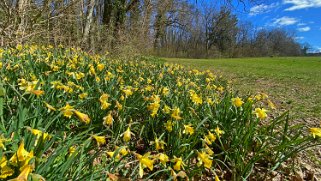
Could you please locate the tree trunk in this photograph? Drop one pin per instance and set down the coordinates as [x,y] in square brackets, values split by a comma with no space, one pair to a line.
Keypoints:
[89,21]
[21,9]
[108,9]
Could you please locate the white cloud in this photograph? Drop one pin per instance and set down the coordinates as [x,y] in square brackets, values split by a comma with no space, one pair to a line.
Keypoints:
[284,21]
[299,38]
[304,29]
[302,24]
[302,4]
[262,8]
[315,50]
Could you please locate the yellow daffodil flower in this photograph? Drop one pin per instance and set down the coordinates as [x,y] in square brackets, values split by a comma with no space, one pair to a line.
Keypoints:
[260,113]
[112,155]
[315,132]
[159,144]
[271,104]
[23,176]
[127,135]
[204,158]
[165,91]
[103,100]
[179,164]
[195,98]
[218,131]
[128,91]
[119,106]
[169,126]
[144,161]
[72,150]
[49,107]
[5,170]
[188,129]
[101,140]
[163,158]
[208,150]
[22,156]
[37,92]
[176,114]
[108,120]
[83,95]
[83,117]
[153,107]
[100,67]
[67,110]
[2,140]
[237,102]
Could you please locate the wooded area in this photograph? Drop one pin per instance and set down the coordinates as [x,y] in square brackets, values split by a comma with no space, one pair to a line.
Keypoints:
[171,28]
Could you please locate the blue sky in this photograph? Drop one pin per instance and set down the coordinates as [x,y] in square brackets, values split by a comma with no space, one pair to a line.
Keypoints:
[300,16]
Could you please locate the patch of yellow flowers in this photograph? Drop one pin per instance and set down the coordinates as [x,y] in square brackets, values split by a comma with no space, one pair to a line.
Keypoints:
[129,103]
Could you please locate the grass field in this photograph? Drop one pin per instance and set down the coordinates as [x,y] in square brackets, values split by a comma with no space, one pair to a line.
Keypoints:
[294,82]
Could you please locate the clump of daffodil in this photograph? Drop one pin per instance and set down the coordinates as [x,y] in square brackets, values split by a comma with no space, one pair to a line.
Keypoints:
[237,102]
[258,97]
[30,87]
[144,161]
[260,113]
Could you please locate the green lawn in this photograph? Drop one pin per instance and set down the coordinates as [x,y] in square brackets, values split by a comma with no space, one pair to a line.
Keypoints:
[292,82]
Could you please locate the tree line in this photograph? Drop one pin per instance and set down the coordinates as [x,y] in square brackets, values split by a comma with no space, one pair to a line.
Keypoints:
[172,28]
